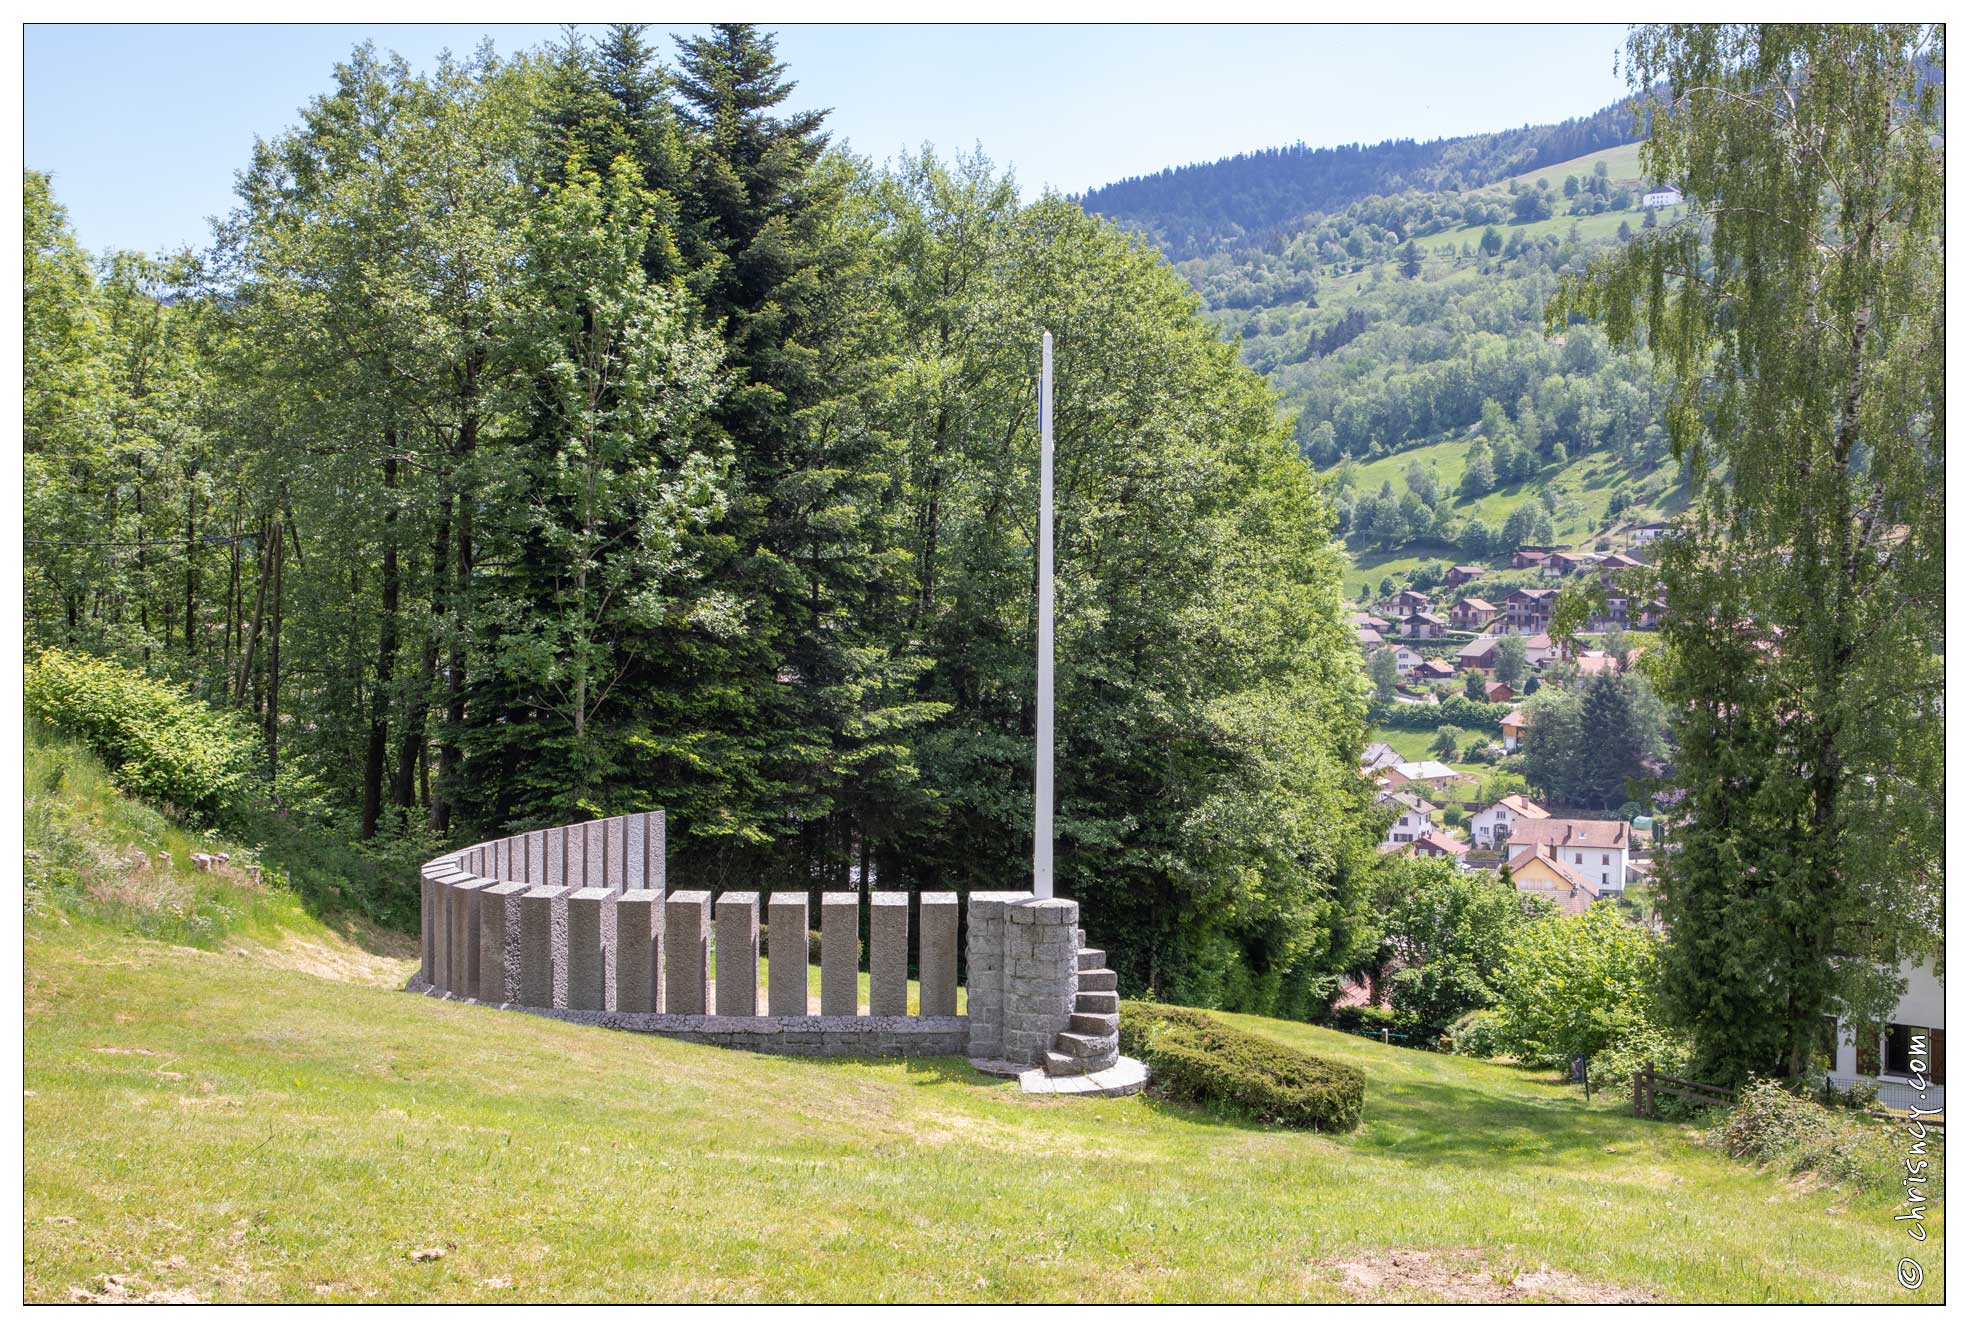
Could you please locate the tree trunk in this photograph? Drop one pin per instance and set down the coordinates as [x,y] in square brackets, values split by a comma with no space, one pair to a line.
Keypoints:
[279,559]
[436,818]
[191,564]
[248,647]
[461,614]
[382,698]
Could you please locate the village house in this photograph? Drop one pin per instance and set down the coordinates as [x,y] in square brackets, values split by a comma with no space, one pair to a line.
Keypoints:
[1403,603]
[1479,654]
[1529,609]
[1491,828]
[1432,774]
[1368,639]
[1405,659]
[1652,613]
[1470,612]
[1437,845]
[1413,816]
[1377,755]
[1513,726]
[1536,872]
[1888,1053]
[1461,573]
[1595,851]
[1562,565]
[1433,671]
[1528,558]
[1645,533]
[1372,622]
[1498,693]
[1667,196]
[1424,626]
[1541,650]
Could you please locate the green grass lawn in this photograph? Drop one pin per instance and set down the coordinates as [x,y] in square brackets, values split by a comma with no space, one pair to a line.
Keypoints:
[231,1124]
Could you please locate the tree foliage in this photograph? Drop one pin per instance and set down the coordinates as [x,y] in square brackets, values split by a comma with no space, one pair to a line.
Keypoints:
[1798,312]
[558,436]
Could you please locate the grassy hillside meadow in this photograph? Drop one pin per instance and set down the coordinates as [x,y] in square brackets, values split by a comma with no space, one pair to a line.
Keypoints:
[1582,488]
[265,1115]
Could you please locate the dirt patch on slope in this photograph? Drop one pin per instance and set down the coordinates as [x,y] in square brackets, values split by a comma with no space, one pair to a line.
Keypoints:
[1468,1275]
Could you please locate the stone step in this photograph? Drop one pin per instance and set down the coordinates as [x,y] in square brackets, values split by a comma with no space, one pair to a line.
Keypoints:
[1098,1003]
[1089,1022]
[1088,1046]
[1091,959]
[1059,1063]
[1097,980]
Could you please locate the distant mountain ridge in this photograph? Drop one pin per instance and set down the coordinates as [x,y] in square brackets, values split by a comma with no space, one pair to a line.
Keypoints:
[1249,200]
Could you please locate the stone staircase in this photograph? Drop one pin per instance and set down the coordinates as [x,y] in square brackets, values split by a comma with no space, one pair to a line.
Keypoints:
[1092,1039]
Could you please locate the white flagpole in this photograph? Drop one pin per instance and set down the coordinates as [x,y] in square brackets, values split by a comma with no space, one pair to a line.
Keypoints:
[1042,805]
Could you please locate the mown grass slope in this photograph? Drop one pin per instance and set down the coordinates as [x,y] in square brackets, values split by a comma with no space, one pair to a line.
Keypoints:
[222,1125]
[250,1108]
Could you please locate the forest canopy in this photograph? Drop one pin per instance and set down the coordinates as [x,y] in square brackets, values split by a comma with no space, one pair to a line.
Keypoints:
[572,434]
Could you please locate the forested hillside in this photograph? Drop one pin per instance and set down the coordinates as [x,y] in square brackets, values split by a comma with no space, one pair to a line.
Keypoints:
[1407,332]
[1255,199]
[566,435]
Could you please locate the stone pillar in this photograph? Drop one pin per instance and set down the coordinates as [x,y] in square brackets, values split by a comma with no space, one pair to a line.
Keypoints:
[538,937]
[1041,975]
[463,916]
[638,951]
[594,850]
[499,942]
[428,917]
[587,988]
[840,948]
[984,972]
[554,857]
[686,953]
[786,966]
[615,868]
[654,873]
[936,953]
[738,953]
[888,953]
[534,856]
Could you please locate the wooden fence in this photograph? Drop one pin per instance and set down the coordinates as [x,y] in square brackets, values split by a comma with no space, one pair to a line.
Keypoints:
[1649,1082]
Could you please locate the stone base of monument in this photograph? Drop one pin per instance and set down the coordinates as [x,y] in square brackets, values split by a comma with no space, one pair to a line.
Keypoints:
[1125,1076]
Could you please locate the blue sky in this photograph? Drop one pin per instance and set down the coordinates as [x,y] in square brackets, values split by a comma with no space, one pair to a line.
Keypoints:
[143,126]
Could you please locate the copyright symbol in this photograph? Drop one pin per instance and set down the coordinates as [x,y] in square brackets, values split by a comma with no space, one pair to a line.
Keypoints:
[1909,1273]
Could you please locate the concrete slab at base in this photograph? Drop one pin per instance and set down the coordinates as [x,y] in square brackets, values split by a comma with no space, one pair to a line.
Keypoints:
[1126,1076]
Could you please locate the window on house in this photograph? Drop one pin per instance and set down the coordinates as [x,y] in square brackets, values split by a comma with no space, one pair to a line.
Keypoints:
[1866,1050]
[1604,860]
[1579,858]
[1899,1040]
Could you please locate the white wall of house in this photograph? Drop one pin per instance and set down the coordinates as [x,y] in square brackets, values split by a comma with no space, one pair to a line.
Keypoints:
[1920,1009]
[1490,828]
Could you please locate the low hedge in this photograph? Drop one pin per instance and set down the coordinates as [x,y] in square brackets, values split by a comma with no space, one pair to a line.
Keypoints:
[1205,1061]
[1453,709]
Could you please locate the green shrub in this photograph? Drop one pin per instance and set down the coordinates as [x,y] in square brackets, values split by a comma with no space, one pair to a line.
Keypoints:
[1612,1068]
[1790,1132]
[1477,1034]
[158,743]
[1205,1061]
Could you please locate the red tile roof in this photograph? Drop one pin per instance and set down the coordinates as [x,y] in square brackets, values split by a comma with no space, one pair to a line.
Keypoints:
[1565,833]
